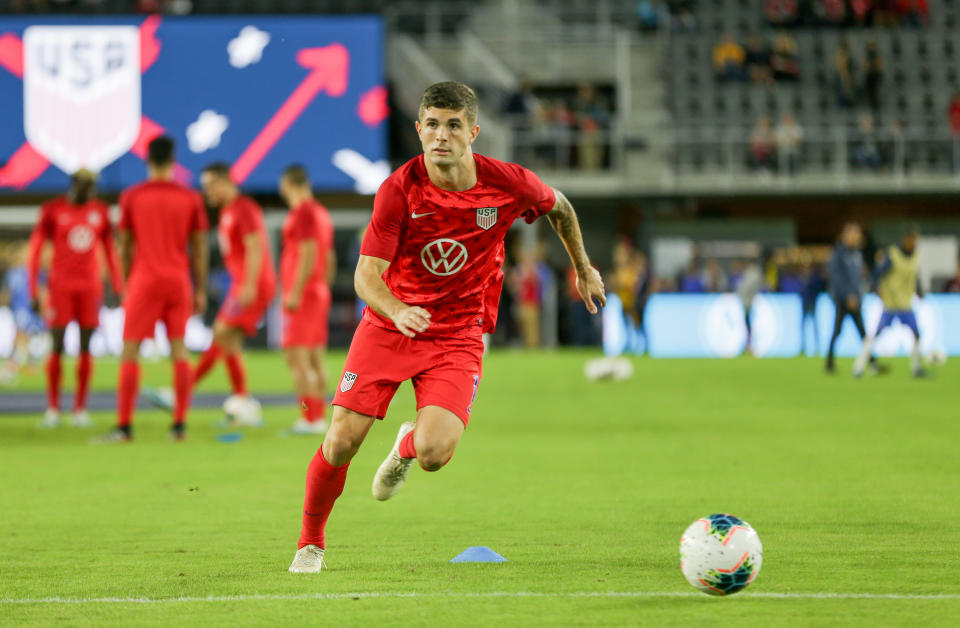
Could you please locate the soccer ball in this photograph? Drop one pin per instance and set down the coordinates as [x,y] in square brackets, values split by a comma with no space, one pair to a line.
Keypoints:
[243,410]
[617,369]
[720,554]
[936,357]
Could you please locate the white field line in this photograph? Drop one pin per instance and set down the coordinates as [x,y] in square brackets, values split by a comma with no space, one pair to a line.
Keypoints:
[493,594]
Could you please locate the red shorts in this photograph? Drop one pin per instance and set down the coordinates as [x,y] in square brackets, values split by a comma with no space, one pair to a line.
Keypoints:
[82,306]
[150,300]
[247,318]
[445,371]
[308,325]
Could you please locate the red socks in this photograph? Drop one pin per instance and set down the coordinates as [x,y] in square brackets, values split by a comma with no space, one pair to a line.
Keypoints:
[182,387]
[238,377]
[406,449]
[53,381]
[127,392]
[84,371]
[313,408]
[324,485]
[206,362]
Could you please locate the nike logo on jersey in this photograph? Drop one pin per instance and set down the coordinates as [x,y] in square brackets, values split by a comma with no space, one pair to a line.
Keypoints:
[416,215]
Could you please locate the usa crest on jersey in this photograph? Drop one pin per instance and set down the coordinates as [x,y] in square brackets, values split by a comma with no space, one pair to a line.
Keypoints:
[81,77]
[486,217]
[349,379]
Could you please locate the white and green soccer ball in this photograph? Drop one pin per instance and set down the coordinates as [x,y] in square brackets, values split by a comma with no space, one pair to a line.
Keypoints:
[720,554]
[243,410]
[936,357]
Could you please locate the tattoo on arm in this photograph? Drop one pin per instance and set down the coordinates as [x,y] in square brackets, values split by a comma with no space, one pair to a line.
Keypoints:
[564,221]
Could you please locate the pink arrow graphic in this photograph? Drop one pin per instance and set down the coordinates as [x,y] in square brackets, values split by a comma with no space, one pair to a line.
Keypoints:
[329,69]
[11,54]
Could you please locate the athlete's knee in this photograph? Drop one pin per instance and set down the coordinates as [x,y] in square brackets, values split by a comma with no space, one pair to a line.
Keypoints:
[57,341]
[344,437]
[434,456]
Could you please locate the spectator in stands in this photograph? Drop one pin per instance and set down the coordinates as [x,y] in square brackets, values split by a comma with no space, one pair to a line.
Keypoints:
[780,12]
[593,118]
[913,12]
[757,61]
[560,123]
[831,12]
[844,75]
[522,102]
[681,15]
[728,59]
[873,75]
[648,14]
[789,137]
[783,60]
[866,151]
[954,284]
[714,279]
[692,280]
[862,11]
[761,151]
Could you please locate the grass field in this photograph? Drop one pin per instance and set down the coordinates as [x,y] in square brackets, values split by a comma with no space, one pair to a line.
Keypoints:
[853,486]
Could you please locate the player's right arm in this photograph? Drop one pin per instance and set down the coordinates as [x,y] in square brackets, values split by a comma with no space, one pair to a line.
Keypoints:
[41,233]
[199,254]
[370,286]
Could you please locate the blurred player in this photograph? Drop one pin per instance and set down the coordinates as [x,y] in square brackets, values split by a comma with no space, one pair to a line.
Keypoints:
[429,263]
[307,267]
[75,224]
[159,219]
[897,283]
[846,277]
[26,319]
[246,253]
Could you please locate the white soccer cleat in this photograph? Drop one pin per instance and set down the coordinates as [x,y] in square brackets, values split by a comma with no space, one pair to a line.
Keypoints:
[303,427]
[243,411]
[80,418]
[394,470]
[308,559]
[162,398]
[51,419]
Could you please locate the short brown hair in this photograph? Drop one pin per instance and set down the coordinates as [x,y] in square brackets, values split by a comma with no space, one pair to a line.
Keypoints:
[219,169]
[450,95]
[296,174]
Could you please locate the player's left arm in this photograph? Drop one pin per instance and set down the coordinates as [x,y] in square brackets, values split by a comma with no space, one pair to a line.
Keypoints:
[110,253]
[331,266]
[564,221]
[307,257]
[125,238]
[252,262]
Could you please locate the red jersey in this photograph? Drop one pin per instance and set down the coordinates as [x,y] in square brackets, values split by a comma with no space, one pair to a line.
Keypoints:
[238,220]
[446,248]
[161,215]
[307,220]
[74,231]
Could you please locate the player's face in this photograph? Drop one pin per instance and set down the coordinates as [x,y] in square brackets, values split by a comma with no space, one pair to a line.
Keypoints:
[445,135]
[212,188]
[909,242]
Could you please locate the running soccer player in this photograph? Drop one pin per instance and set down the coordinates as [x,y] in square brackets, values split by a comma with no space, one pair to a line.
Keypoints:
[253,281]
[897,282]
[159,218]
[75,224]
[429,263]
[307,267]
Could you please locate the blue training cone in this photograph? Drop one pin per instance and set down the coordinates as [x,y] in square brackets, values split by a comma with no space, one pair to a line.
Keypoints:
[478,554]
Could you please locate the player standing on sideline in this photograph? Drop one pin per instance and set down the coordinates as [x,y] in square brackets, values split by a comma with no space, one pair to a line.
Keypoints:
[846,276]
[253,282]
[159,218]
[75,223]
[27,321]
[308,265]
[897,282]
[429,261]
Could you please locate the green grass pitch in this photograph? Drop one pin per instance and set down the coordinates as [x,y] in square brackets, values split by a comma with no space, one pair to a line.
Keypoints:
[585,487]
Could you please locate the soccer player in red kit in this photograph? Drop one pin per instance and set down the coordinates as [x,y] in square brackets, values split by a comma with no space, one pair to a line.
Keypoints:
[159,219]
[253,282]
[307,266]
[75,223]
[429,265]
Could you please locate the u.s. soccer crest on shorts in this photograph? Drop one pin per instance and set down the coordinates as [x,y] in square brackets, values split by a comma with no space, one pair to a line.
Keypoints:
[81,93]
[349,379]
[486,217]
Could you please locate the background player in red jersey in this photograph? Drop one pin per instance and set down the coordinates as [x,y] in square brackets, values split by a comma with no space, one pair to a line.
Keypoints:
[307,267]
[159,218]
[429,265]
[74,223]
[253,281]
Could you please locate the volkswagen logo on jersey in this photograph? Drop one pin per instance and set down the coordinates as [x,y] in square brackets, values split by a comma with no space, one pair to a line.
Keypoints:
[486,217]
[93,218]
[444,257]
[349,379]
[81,73]
[81,238]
